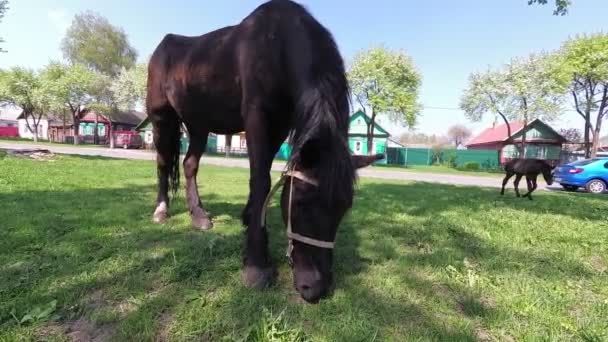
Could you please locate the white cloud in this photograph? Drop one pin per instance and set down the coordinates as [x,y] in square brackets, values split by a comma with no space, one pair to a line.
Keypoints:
[60,19]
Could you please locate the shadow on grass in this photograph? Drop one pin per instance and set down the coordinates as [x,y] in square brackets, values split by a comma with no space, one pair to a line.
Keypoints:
[158,280]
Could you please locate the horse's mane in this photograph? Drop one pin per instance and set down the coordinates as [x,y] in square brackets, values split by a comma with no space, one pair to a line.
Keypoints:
[320,129]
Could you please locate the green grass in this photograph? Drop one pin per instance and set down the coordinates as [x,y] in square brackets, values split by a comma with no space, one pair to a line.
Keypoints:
[440,169]
[79,257]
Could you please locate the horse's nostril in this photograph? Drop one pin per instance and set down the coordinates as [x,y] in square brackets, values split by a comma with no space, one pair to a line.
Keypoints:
[305,287]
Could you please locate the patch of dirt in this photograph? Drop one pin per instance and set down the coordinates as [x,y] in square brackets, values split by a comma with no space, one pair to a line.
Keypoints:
[36,154]
[84,330]
[482,334]
[164,323]
[598,264]
[44,333]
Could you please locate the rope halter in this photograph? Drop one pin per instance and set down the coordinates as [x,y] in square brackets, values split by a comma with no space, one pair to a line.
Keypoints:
[290,234]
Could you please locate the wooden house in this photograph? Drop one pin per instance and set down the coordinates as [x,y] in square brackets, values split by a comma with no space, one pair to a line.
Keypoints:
[542,141]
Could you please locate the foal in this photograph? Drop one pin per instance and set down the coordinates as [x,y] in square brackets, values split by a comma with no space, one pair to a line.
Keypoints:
[529,168]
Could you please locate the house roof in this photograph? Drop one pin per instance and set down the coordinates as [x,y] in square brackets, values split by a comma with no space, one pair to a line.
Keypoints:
[500,133]
[10,112]
[378,130]
[132,117]
[143,123]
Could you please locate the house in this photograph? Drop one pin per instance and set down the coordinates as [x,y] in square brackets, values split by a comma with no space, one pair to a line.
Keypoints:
[238,144]
[542,141]
[27,127]
[357,135]
[120,121]
[9,125]
[9,115]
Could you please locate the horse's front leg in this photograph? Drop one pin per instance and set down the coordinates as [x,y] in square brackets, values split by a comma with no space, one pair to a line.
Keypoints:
[200,217]
[516,184]
[533,185]
[259,271]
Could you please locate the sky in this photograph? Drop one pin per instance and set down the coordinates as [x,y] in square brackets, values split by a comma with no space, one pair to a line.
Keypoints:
[447,39]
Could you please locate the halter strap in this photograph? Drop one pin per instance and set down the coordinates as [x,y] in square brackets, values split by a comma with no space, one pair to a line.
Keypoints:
[290,234]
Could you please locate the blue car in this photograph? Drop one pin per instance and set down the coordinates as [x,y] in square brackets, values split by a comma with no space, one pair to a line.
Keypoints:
[591,174]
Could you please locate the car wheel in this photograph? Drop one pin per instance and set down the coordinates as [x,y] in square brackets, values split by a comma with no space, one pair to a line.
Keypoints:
[570,187]
[596,186]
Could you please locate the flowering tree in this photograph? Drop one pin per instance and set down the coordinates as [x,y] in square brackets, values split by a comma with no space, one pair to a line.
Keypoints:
[22,87]
[71,88]
[129,87]
[584,65]
[386,83]
[523,90]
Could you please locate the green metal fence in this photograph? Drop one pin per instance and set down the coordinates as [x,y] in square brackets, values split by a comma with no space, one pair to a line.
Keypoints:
[487,159]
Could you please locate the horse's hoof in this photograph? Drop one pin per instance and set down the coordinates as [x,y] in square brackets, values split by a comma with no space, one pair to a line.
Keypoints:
[160,214]
[159,218]
[201,220]
[258,278]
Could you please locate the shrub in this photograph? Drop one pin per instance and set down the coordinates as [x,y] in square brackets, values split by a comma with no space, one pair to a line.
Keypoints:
[471,166]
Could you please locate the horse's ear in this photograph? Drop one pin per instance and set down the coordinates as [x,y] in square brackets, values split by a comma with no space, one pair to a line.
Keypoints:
[363,161]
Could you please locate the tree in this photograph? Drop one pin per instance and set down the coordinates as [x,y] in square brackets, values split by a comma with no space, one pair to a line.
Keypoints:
[130,87]
[22,87]
[584,64]
[3,9]
[561,6]
[71,87]
[523,90]
[458,134]
[534,91]
[91,40]
[104,102]
[387,83]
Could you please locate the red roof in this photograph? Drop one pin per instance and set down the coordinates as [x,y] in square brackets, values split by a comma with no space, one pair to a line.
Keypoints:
[90,117]
[496,134]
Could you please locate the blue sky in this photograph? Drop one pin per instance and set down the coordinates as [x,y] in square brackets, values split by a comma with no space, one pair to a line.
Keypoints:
[447,41]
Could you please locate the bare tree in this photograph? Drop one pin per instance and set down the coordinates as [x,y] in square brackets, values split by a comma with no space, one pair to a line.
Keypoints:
[458,134]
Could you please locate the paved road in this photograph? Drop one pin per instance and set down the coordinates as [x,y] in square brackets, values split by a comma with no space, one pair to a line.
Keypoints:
[277,166]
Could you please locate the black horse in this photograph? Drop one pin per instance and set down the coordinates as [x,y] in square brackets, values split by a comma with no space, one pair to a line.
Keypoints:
[277,74]
[529,168]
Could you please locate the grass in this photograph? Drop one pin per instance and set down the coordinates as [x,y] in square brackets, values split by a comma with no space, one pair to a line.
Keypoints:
[440,169]
[80,258]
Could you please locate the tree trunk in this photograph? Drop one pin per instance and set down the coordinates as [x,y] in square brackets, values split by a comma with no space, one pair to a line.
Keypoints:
[370,133]
[598,124]
[228,145]
[587,131]
[523,139]
[111,133]
[63,127]
[509,133]
[596,140]
[95,130]
[76,122]
[35,131]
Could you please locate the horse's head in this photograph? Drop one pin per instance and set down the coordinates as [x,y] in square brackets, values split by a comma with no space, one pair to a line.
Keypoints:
[547,171]
[314,221]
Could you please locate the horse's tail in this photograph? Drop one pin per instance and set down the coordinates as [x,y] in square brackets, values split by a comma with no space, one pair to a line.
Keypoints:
[321,94]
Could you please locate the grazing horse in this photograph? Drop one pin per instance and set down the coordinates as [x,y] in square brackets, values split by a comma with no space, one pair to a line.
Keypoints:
[529,168]
[276,74]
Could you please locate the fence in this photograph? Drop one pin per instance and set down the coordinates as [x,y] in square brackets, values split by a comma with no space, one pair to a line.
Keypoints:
[487,159]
